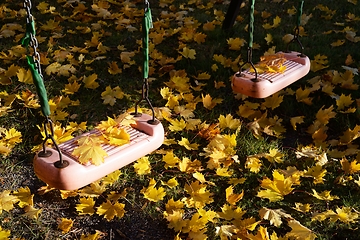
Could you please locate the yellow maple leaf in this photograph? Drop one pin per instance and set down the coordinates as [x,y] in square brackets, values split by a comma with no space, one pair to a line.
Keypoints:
[276,189]
[201,178]
[350,167]
[232,197]
[90,81]
[230,212]
[90,150]
[117,136]
[209,102]
[111,178]
[209,131]
[24,196]
[188,53]
[7,201]
[273,101]
[189,146]
[268,39]
[29,99]
[176,220]
[228,122]
[316,172]
[224,172]
[173,205]
[344,214]
[97,235]
[199,37]
[226,231]
[170,160]
[142,166]
[303,96]
[299,231]
[111,210]
[271,63]
[235,43]
[324,195]
[350,135]
[304,208]
[276,23]
[86,206]
[24,76]
[126,57]
[344,101]
[209,26]
[273,215]
[95,189]
[71,88]
[199,195]
[32,212]
[114,68]
[65,225]
[338,43]
[4,234]
[274,155]
[319,63]
[51,25]
[296,120]
[324,115]
[203,76]
[12,137]
[152,193]
[171,183]
[253,163]
[177,125]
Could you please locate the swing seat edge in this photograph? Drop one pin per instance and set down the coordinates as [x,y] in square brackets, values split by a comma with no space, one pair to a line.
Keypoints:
[77,175]
[271,83]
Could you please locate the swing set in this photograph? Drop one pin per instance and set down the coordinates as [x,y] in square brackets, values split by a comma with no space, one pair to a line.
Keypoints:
[249,82]
[59,168]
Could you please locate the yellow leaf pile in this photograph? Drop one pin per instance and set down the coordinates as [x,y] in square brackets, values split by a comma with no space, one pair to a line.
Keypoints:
[231,166]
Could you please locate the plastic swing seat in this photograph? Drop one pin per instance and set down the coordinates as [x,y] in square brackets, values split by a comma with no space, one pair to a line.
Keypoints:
[297,66]
[144,138]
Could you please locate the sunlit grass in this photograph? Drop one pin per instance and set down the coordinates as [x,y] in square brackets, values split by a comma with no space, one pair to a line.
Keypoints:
[319,33]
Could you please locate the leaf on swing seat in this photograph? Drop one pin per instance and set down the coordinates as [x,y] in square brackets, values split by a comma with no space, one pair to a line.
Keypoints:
[273,63]
[90,150]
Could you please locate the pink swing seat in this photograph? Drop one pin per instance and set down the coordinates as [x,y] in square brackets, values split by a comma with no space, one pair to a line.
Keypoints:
[297,66]
[144,138]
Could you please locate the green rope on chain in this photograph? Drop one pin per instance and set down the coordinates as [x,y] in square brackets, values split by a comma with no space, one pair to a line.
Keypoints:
[147,24]
[30,30]
[40,87]
[37,78]
[300,12]
[251,23]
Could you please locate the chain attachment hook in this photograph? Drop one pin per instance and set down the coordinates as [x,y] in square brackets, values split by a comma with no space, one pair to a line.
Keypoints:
[61,163]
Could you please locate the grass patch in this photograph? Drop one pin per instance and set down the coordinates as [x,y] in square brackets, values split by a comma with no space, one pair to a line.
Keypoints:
[92,36]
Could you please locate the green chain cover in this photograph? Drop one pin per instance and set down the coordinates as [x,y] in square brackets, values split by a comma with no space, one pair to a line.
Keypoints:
[147,24]
[40,87]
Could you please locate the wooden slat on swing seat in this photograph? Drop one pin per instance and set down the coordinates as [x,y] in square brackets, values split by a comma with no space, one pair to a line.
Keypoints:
[144,138]
[269,83]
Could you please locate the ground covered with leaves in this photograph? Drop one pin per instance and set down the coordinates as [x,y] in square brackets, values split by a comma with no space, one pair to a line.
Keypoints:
[231,166]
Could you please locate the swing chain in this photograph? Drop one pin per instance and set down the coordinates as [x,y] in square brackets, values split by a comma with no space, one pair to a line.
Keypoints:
[147,23]
[296,37]
[145,96]
[28,6]
[33,41]
[251,38]
[147,5]
[48,124]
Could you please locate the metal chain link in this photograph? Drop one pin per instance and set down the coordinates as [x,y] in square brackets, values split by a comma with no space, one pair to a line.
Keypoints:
[33,41]
[48,123]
